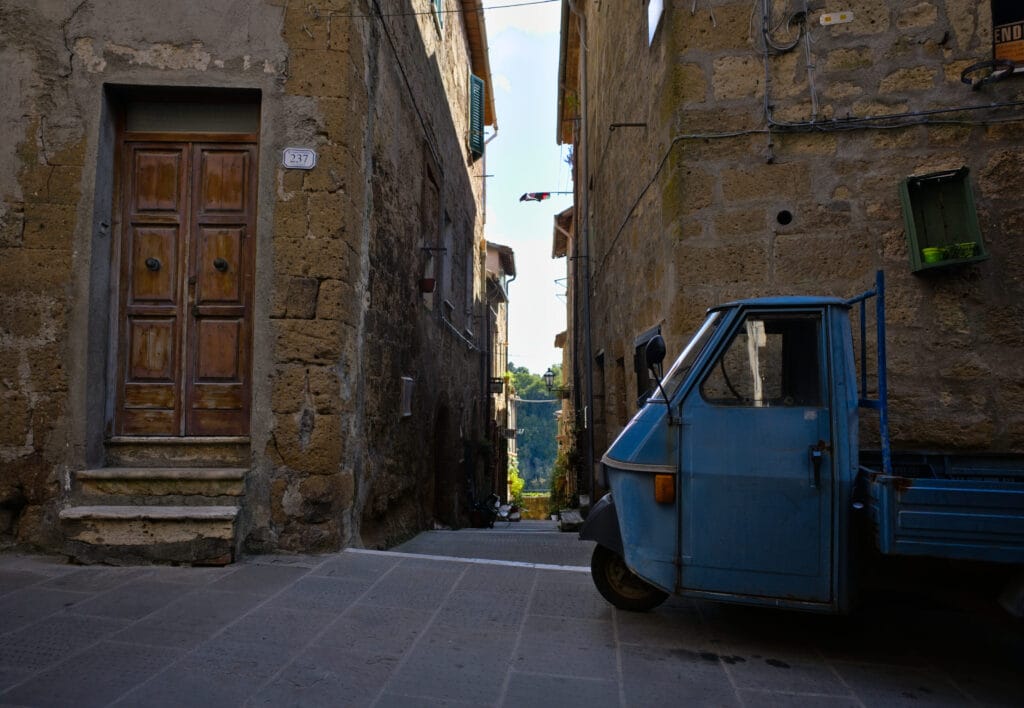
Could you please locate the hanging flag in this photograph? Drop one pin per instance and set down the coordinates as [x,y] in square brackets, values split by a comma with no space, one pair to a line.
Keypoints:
[535,196]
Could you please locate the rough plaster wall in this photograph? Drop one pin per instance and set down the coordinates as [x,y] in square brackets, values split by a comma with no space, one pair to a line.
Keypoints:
[41,160]
[707,230]
[57,57]
[338,319]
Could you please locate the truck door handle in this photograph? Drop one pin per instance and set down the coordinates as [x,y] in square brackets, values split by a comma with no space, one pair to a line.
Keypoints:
[817,453]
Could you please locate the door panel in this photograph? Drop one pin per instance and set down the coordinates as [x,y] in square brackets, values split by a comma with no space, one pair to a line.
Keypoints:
[155,218]
[218,356]
[149,396]
[220,282]
[152,351]
[157,177]
[218,386]
[224,174]
[757,520]
[216,397]
[186,288]
[154,265]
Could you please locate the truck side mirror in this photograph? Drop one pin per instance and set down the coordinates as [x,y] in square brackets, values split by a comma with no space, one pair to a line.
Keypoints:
[654,352]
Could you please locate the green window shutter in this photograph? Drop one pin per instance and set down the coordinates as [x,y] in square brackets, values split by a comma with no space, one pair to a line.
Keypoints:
[476,115]
[438,14]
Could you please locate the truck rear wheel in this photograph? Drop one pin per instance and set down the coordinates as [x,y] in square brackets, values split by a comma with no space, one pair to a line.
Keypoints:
[619,585]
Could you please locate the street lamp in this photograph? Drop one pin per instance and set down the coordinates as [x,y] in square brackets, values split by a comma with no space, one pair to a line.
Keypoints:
[549,378]
[549,381]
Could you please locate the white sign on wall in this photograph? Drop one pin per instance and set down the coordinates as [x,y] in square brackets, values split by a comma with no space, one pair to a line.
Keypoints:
[299,158]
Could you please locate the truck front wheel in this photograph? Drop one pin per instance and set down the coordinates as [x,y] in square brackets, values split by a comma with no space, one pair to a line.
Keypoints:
[619,585]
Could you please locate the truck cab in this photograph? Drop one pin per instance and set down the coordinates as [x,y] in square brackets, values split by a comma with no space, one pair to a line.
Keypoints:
[740,479]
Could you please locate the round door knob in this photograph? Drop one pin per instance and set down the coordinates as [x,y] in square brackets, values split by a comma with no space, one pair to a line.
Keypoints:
[153,264]
[220,264]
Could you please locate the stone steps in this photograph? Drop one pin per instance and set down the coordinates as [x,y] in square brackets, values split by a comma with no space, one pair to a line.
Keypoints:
[133,534]
[158,500]
[178,452]
[204,485]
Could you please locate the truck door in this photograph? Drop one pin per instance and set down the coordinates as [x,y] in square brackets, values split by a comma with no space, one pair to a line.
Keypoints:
[756,509]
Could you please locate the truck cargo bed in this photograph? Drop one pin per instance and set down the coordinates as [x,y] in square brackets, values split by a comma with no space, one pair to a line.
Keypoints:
[949,506]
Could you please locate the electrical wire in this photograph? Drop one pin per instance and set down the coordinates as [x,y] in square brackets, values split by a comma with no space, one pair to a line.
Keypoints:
[880,122]
[906,119]
[851,123]
[427,134]
[654,177]
[809,62]
[783,48]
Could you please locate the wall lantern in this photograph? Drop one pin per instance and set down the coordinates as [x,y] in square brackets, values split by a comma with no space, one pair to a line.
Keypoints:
[549,378]
[549,381]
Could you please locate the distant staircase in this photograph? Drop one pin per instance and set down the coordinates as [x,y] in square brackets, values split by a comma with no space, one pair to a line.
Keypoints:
[159,500]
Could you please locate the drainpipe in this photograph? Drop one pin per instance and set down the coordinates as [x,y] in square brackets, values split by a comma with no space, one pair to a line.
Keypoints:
[588,365]
[507,303]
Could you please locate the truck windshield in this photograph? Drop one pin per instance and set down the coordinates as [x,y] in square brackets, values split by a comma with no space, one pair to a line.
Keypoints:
[674,378]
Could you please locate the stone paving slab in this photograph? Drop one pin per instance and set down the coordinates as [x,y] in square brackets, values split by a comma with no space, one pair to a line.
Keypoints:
[526,541]
[492,617]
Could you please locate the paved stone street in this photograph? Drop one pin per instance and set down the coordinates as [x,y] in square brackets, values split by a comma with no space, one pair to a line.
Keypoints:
[419,627]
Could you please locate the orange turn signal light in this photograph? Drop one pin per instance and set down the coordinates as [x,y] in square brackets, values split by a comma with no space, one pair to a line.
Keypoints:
[664,488]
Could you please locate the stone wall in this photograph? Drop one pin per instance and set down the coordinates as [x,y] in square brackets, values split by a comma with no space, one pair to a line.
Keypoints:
[501,401]
[442,348]
[339,319]
[42,158]
[705,204]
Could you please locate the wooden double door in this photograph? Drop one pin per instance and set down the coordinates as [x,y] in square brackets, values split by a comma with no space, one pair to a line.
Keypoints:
[184,321]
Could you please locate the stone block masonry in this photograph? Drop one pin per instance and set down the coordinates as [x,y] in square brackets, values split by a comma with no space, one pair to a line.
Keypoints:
[804,198]
[337,317]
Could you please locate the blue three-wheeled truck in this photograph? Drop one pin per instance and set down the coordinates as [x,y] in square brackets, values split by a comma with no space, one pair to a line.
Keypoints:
[741,479]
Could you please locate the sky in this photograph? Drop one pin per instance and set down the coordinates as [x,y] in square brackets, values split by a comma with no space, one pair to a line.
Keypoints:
[524,157]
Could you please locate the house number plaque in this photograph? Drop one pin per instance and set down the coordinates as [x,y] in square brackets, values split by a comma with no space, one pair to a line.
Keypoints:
[299,158]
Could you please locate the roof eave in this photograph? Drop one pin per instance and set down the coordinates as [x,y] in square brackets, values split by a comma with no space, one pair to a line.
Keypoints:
[568,73]
[506,256]
[561,233]
[479,59]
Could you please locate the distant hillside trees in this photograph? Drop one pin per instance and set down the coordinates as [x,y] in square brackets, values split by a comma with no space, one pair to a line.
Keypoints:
[537,426]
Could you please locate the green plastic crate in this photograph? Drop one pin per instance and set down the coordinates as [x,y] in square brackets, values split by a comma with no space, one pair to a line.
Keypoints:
[939,213]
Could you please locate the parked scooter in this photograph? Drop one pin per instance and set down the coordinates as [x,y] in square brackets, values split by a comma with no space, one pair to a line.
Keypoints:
[507,512]
[485,512]
[492,509]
